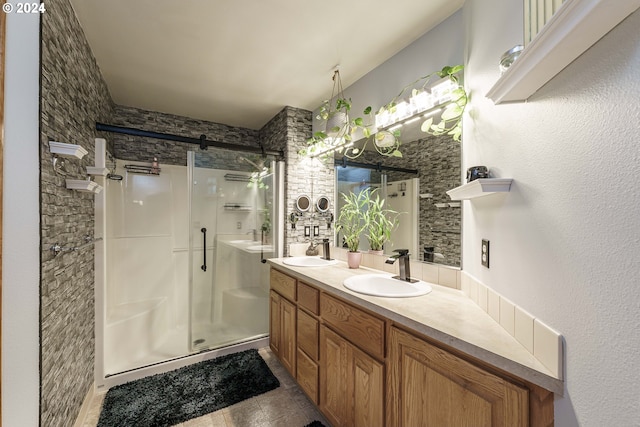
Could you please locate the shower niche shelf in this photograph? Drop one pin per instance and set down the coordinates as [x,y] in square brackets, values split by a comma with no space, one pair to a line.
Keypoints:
[63,149]
[83,185]
[480,187]
[95,171]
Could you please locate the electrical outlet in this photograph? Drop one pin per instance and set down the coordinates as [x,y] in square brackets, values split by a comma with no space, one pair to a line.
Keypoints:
[239,225]
[484,260]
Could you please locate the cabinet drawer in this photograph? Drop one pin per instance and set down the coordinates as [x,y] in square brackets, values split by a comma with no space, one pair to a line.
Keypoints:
[283,284]
[362,329]
[308,334]
[307,376]
[309,298]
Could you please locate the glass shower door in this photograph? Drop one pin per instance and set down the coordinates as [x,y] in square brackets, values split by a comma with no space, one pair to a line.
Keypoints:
[233,201]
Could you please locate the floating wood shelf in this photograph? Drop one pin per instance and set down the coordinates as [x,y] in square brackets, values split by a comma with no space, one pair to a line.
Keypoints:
[480,187]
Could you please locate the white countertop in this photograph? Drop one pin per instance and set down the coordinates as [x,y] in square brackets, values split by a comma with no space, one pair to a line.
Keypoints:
[444,314]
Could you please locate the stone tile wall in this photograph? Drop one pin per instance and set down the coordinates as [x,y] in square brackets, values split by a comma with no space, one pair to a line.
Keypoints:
[73,97]
[289,130]
[142,149]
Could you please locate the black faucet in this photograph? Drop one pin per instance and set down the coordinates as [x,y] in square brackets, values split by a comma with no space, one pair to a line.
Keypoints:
[326,251]
[405,270]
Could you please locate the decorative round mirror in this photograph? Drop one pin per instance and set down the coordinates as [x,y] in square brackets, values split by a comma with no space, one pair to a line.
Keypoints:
[303,203]
[322,204]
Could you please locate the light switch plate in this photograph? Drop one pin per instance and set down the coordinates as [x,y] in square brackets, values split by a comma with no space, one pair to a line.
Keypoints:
[484,254]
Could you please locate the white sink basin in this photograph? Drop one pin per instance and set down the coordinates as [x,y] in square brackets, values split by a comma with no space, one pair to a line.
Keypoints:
[308,261]
[384,285]
[244,242]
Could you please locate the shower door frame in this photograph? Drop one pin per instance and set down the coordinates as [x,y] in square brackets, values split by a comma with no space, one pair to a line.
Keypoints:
[279,198]
[104,382]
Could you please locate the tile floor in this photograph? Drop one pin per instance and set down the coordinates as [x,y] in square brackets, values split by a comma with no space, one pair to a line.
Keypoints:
[286,406]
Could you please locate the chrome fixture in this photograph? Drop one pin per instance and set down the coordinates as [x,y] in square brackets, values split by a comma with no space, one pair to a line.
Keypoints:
[88,241]
[326,250]
[405,271]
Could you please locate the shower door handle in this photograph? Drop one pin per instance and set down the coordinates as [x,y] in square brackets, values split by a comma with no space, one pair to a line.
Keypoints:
[204,249]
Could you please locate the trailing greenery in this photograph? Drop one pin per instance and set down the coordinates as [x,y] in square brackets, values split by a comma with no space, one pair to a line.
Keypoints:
[348,130]
[352,218]
[451,118]
[380,221]
[386,142]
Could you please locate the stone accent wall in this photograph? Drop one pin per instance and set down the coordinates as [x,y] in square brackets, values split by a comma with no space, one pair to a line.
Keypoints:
[73,97]
[289,130]
[437,160]
[142,149]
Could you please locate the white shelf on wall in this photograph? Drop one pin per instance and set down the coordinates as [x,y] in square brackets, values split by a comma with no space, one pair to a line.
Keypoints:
[83,185]
[573,29]
[91,170]
[480,187]
[67,150]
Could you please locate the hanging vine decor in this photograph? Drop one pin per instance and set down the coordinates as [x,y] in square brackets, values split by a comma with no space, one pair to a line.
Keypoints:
[341,131]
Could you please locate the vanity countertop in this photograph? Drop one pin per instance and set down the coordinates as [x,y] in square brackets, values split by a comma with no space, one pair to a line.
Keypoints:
[445,314]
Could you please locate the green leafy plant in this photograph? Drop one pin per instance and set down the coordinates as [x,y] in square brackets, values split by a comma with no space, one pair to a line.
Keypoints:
[345,133]
[451,118]
[380,221]
[352,218]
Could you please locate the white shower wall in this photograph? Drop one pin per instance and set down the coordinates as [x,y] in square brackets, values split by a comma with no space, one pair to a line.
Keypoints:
[147,258]
[151,313]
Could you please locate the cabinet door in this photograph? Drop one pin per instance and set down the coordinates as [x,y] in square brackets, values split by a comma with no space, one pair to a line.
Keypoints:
[351,385]
[308,334]
[288,336]
[334,366]
[431,387]
[367,381]
[274,323]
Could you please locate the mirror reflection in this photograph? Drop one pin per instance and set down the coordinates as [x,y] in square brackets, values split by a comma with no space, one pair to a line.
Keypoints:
[430,224]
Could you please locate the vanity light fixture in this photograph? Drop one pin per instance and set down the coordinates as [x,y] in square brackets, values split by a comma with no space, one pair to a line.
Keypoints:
[420,101]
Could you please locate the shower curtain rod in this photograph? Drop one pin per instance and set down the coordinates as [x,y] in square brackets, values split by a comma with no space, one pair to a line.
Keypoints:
[203,142]
[378,166]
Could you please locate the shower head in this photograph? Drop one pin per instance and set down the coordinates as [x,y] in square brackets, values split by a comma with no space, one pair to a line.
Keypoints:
[114,177]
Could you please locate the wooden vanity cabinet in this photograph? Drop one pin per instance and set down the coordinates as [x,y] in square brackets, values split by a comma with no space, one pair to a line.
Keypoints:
[308,336]
[430,387]
[351,383]
[282,319]
[282,330]
[363,370]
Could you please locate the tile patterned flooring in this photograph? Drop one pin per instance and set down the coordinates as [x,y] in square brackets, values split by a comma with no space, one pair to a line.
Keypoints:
[285,406]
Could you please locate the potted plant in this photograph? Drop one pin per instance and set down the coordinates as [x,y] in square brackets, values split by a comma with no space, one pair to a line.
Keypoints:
[341,130]
[380,221]
[352,222]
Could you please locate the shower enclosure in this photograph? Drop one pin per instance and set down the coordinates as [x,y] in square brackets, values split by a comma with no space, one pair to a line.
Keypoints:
[183,252]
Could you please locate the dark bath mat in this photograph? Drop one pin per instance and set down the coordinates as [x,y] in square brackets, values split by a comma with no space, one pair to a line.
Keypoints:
[190,392]
[315,424]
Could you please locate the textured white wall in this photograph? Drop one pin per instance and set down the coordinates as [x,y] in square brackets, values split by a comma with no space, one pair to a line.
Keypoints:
[21,223]
[565,241]
[441,46]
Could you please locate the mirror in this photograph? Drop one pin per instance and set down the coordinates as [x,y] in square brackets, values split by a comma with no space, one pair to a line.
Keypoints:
[322,204]
[437,218]
[303,203]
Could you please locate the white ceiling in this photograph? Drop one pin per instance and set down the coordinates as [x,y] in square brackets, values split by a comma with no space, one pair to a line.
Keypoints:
[239,62]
